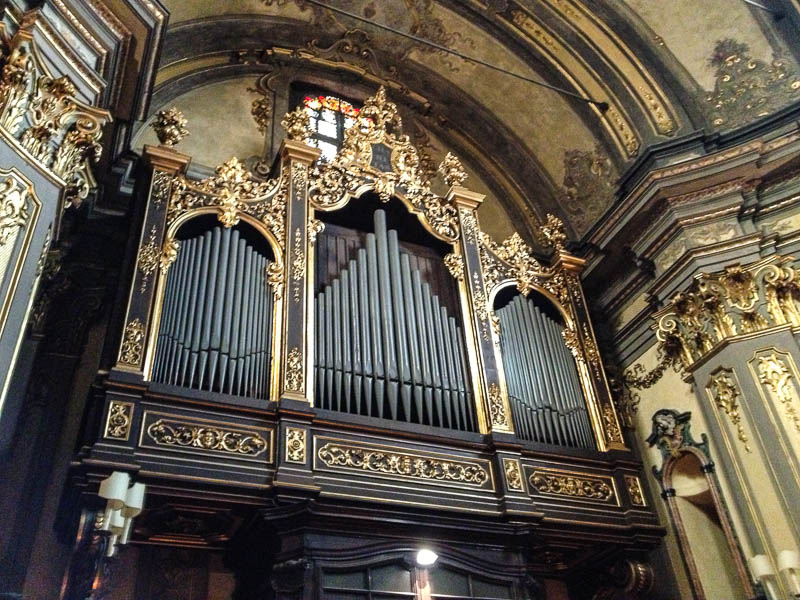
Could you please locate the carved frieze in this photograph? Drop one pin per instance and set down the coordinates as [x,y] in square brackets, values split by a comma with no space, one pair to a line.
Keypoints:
[570,485]
[219,438]
[402,464]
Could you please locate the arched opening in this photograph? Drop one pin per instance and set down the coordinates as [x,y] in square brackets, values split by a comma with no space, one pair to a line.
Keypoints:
[388,331]
[704,530]
[216,327]
[542,379]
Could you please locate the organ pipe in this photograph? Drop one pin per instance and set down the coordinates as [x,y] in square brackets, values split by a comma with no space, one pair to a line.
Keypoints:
[385,345]
[543,384]
[216,322]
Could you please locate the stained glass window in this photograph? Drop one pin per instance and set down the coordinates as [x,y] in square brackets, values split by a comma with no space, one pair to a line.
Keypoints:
[330,117]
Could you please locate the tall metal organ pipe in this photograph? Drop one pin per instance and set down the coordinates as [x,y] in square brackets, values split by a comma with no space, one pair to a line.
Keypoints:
[216,318]
[385,345]
[544,388]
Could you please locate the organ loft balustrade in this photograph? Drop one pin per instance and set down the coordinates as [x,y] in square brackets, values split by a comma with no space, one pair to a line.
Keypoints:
[337,333]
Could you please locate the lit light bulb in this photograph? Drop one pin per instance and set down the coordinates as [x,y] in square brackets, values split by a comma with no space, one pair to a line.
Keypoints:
[426,558]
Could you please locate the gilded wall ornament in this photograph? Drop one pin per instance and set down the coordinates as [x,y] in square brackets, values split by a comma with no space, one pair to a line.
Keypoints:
[774,373]
[294,371]
[414,466]
[554,483]
[170,126]
[42,113]
[261,109]
[14,212]
[452,171]
[725,394]
[588,186]
[513,474]
[297,125]
[635,490]
[722,305]
[747,88]
[295,445]
[167,432]
[118,422]
[130,353]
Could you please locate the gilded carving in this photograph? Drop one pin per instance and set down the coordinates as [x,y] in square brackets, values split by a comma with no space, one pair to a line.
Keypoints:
[118,422]
[497,407]
[635,490]
[130,353]
[41,112]
[376,460]
[452,171]
[588,186]
[170,126]
[718,306]
[14,213]
[553,231]
[572,486]
[297,125]
[610,424]
[169,254]
[298,264]
[294,371]
[513,474]
[455,264]
[378,123]
[480,304]
[725,394]
[161,184]
[299,176]
[513,259]
[315,227]
[665,125]
[233,192]
[275,279]
[212,437]
[590,351]
[148,259]
[295,445]
[774,373]
[747,88]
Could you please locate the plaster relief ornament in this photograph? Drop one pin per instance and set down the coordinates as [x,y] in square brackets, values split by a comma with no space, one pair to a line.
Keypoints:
[297,125]
[170,126]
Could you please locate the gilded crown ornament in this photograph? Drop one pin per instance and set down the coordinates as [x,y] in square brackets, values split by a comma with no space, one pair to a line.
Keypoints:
[553,232]
[452,170]
[297,125]
[170,126]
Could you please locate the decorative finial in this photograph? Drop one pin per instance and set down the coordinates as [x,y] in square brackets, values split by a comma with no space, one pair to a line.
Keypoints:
[553,231]
[170,126]
[297,125]
[452,171]
[261,109]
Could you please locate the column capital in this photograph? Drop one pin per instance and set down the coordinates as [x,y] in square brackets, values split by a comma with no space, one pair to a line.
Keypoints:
[461,197]
[299,151]
[167,159]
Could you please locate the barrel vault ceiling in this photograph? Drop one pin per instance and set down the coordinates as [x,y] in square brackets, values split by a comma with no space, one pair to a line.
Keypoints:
[666,69]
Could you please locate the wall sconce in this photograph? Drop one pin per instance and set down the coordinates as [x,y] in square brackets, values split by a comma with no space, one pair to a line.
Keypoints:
[762,570]
[123,504]
[789,567]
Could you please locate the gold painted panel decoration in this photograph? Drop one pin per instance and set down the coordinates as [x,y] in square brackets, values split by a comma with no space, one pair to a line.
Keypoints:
[118,421]
[295,445]
[217,438]
[570,485]
[635,490]
[403,464]
[725,394]
[513,474]
[131,351]
[294,371]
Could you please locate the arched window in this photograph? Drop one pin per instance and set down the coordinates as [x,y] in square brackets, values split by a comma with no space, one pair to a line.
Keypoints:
[330,117]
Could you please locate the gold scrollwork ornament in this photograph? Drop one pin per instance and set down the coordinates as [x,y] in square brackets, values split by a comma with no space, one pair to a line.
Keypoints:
[170,433]
[294,371]
[572,486]
[132,344]
[774,373]
[725,394]
[295,445]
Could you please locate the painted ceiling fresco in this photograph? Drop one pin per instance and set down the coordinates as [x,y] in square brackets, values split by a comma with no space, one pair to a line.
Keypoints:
[665,69]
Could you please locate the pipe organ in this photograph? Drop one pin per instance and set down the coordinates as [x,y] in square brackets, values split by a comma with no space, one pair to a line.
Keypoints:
[308,360]
[385,345]
[216,322]
[544,388]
